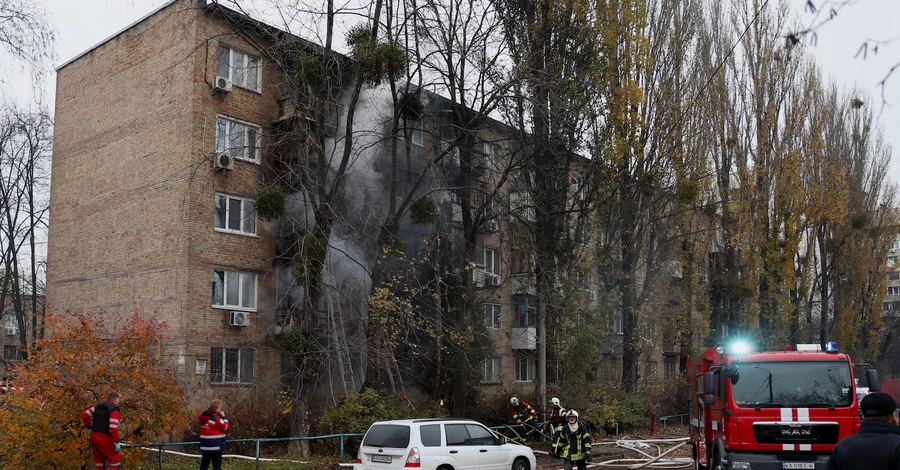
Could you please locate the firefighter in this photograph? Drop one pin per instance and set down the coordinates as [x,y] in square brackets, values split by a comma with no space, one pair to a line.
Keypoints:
[574,443]
[213,425]
[522,412]
[102,422]
[557,418]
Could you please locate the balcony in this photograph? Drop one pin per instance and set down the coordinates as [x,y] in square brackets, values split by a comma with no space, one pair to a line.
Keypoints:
[523,283]
[523,338]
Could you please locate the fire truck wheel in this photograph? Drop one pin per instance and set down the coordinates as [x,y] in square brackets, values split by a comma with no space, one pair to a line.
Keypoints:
[716,463]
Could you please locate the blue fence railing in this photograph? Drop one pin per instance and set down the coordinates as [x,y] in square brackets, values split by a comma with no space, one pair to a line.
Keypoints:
[258,442]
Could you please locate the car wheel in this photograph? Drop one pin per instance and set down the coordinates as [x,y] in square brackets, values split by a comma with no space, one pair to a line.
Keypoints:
[520,464]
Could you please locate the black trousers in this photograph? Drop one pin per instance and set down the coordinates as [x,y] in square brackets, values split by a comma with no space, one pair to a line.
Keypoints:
[214,457]
[581,464]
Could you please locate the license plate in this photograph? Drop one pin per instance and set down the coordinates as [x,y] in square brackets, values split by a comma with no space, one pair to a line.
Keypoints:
[794,465]
[387,459]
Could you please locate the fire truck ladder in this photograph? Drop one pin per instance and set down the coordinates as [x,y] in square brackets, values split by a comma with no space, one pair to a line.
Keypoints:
[339,338]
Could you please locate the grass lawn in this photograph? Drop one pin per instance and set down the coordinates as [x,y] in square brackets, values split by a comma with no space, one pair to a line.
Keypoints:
[150,461]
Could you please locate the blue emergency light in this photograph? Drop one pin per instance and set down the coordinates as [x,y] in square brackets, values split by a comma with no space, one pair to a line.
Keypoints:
[831,347]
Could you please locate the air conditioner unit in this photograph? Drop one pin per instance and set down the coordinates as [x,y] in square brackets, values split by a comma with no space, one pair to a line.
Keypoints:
[240,319]
[11,331]
[478,276]
[592,295]
[492,280]
[221,84]
[224,161]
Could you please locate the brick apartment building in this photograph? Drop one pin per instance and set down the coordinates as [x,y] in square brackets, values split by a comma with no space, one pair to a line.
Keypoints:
[144,216]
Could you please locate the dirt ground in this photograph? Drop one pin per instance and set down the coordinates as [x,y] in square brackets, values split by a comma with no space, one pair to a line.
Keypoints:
[604,448]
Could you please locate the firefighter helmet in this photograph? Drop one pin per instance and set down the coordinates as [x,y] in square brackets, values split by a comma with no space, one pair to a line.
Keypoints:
[513,401]
[572,414]
[555,401]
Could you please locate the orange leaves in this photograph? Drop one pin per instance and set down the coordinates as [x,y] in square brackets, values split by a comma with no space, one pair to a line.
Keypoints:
[84,357]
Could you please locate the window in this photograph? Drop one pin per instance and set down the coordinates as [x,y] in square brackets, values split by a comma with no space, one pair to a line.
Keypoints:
[893,276]
[242,69]
[238,139]
[491,261]
[493,368]
[893,290]
[891,306]
[12,353]
[582,281]
[493,158]
[617,324]
[669,366]
[233,366]
[456,434]
[235,215]
[431,435]
[415,131]
[524,368]
[234,290]
[524,313]
[896,245]
[493,316]
[10,324]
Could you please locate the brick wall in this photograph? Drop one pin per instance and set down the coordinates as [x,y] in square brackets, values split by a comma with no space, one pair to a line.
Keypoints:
[133,190]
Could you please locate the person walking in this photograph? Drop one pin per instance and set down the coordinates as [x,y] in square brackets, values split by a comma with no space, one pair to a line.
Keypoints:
[574,443]
[557,418]
[102,421]
[876,446]
[213,425]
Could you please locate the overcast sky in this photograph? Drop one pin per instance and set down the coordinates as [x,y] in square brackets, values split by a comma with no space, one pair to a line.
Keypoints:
[80,24]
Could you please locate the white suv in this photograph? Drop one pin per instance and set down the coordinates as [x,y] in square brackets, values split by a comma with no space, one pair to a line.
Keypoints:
[440,444]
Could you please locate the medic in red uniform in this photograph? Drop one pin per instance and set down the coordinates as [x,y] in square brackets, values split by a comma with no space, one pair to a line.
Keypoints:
[102,422]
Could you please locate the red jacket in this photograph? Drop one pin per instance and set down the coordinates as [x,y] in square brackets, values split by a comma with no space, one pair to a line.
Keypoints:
[103,418]
[212,431]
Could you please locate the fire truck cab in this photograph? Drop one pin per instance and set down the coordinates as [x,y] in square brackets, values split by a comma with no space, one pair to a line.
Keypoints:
[771,410]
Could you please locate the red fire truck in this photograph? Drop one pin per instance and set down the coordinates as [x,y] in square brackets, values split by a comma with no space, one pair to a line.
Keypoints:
[771,410]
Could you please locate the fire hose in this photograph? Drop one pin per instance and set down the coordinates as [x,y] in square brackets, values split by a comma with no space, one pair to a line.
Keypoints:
[642,446]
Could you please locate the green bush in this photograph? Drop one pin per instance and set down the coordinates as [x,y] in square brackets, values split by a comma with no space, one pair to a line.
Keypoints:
[359,410]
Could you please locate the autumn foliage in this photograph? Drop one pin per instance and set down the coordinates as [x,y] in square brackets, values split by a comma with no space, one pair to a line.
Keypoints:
[81,359]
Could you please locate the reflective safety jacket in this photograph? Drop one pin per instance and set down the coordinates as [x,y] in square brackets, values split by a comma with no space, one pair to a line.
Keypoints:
[557,417]
[103,418]
[574,445]
[523,412]
[212,431]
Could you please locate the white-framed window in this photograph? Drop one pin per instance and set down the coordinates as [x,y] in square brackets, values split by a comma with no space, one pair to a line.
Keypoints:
[232,366]
[524,368]
[493,316]
[234,290]
[493,370]
[893,290]
[242,69]
[491,261]
[896,245]
[416,131]
[235,215]
[617,324]
[583,281]
[238,139]
[10,324]
[493,156]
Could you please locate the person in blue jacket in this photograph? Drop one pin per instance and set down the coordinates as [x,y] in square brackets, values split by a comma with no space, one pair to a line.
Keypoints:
[876,446]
